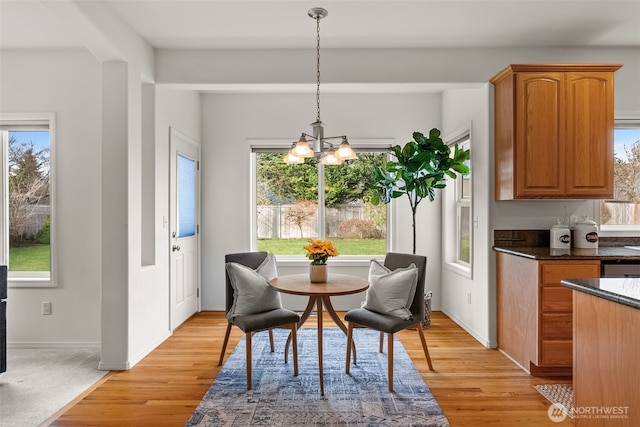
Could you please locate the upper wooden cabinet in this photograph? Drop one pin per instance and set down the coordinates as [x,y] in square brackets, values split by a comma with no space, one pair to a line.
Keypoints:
[554,131]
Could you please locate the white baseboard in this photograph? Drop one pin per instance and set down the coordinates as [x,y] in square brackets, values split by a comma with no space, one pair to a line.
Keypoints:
[113,366]
[54,344]
[482,340]
[125,366]
[149,349]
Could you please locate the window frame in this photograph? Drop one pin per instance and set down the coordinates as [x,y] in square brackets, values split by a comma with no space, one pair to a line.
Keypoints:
[618,230]
[29,121]
[281,145]
[452,204]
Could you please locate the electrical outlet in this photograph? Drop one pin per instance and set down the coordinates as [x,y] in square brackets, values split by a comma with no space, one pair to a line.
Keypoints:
[46,308]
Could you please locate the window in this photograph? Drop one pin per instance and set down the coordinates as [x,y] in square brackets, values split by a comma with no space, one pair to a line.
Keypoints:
[26,214]
[290,209]
[458,215]
[463,208]
[463,211]
[623,211]
[186,171]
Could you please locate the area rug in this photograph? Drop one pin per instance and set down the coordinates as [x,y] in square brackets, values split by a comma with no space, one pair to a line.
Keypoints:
[280,399]
[560,395]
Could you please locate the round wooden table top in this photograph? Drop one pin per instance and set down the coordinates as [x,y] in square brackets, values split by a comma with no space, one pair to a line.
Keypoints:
[336,284]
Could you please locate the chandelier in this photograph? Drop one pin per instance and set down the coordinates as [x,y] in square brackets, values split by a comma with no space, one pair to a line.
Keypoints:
[322,149]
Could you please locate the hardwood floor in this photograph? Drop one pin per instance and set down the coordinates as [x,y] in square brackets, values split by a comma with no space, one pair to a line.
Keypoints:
[475,386]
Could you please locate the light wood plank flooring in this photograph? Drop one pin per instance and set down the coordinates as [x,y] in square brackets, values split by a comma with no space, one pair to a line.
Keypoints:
[475,386]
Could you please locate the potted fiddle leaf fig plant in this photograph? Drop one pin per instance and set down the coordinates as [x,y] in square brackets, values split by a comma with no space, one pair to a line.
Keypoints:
[419,169]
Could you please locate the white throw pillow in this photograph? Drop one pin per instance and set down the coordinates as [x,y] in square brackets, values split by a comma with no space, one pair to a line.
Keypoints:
[252,292]
[391,292]
[268,269]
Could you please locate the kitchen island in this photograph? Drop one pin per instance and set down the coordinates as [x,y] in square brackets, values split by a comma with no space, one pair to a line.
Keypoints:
[606,345]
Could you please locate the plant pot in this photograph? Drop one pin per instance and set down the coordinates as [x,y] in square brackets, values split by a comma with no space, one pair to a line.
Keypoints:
[318,273]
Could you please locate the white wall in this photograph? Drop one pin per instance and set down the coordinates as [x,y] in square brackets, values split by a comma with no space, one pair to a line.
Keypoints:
[136,318]
[138,289]
[68,84]
[230,120]
[149,284]
[469,109]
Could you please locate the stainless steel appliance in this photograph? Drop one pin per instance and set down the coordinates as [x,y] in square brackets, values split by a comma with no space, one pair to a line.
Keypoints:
[3,318]
[620,268]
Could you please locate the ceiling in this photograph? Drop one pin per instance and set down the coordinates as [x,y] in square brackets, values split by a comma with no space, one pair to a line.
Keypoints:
[350,24]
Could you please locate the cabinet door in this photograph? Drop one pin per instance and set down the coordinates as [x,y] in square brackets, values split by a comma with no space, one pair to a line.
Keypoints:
[540,155]
[555,329]
[590,121]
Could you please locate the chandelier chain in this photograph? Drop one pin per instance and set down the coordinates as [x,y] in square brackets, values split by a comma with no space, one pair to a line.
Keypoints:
[322,150]
[318,68]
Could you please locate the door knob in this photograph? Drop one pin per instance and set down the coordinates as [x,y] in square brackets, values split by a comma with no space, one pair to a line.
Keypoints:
[175,248]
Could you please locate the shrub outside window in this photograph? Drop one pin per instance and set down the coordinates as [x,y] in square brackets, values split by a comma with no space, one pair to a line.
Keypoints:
[290,209]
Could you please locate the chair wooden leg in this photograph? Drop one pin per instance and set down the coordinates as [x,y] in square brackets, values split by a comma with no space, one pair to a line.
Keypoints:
[248,342]
[424,347]
[349,345]
[381,341]
[294,339]
[390,360]
[271,340]
[224,343]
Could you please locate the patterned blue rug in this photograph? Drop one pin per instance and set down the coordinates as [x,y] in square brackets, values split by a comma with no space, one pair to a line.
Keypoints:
[280,399]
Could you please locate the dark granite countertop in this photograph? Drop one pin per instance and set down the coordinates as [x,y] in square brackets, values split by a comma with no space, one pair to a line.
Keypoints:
[544,253]
[624,291]
[534,244]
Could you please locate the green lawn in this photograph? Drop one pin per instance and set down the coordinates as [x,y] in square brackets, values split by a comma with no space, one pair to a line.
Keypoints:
[30,258]
[344,246]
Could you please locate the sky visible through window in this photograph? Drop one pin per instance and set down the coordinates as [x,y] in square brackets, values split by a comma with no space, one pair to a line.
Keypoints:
[624,137]
[40,139]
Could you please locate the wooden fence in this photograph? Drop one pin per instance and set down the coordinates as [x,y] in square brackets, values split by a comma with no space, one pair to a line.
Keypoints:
[627,213]
[342,221]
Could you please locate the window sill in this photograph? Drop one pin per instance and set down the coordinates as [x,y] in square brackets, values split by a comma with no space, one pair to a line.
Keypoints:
[619,231]
[459,269]
[30,282]
[342,261]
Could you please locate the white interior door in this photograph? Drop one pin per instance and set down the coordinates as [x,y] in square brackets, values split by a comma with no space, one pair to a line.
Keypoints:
[184,227]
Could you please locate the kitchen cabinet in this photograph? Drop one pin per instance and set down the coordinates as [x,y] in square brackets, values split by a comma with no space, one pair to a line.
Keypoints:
[534,311]
[554,131]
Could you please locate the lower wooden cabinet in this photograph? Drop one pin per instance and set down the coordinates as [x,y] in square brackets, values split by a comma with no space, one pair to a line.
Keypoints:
[535,311]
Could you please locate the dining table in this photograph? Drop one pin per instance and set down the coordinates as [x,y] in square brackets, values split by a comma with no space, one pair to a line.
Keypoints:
[319,295]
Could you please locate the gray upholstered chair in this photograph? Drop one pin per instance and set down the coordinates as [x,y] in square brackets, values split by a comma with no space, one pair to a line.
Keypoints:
[260,321]
[386,324]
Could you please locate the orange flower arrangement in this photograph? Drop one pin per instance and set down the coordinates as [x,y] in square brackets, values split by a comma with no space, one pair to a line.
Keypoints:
[318,251]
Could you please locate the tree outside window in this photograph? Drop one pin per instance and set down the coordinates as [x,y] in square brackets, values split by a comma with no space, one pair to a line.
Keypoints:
[287,205]
[28,201]
[624,208]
